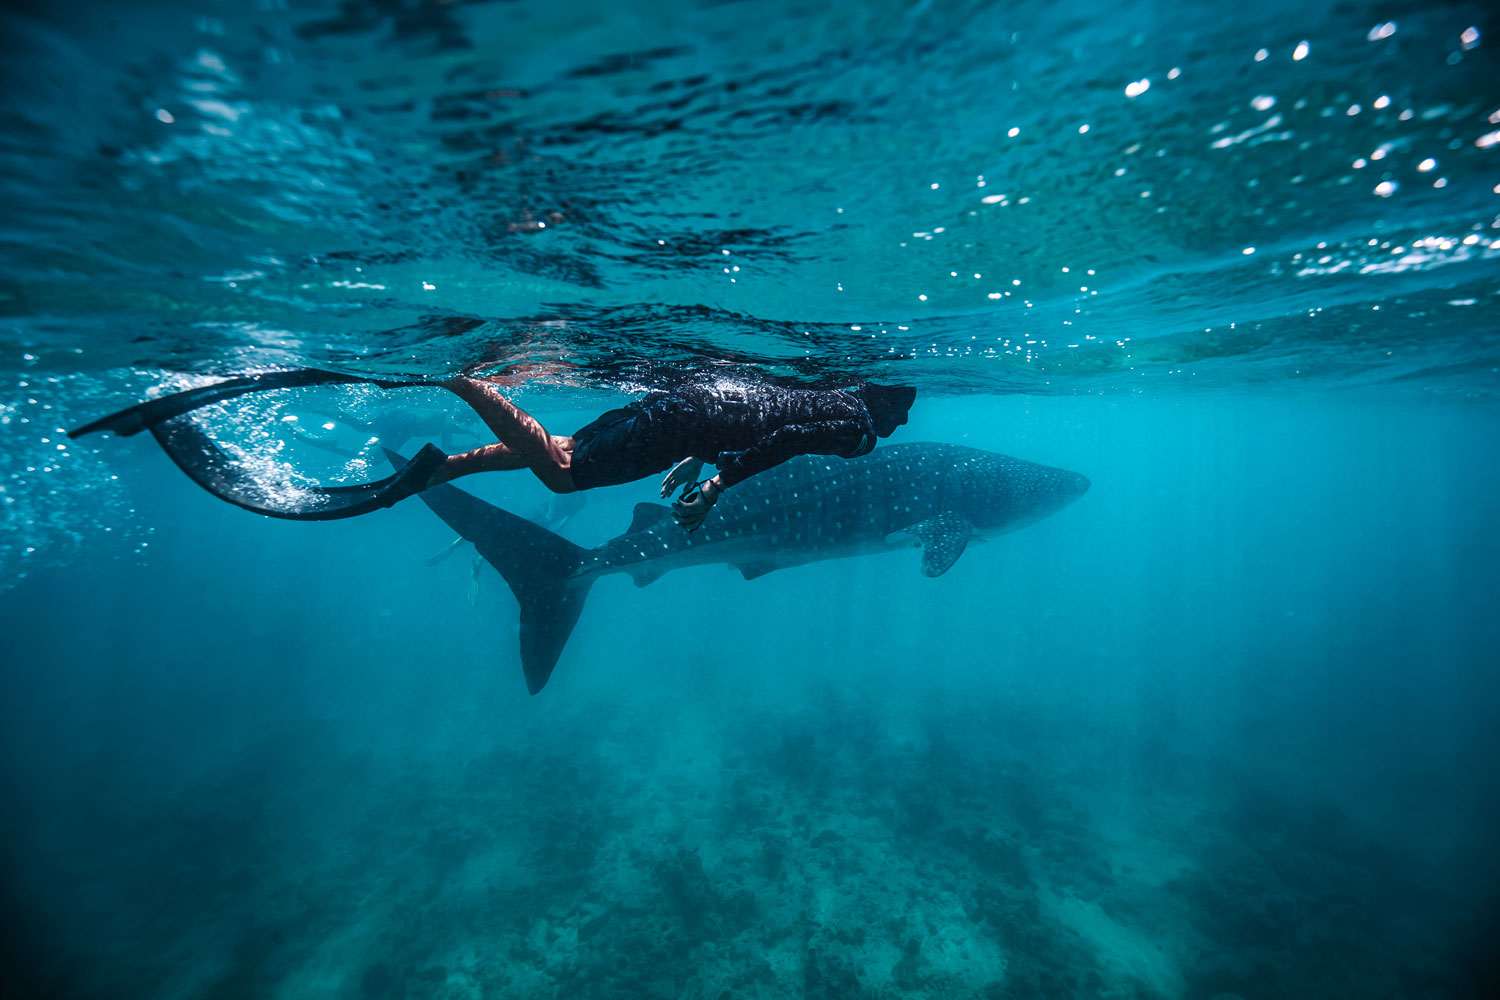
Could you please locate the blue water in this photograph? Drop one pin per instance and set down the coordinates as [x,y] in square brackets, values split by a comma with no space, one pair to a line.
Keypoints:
[1223,728]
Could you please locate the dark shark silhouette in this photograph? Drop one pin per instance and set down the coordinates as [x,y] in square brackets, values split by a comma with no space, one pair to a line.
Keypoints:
[936,496]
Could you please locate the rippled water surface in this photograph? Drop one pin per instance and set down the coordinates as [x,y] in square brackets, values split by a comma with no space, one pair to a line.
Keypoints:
[1046,197]
[1221,729]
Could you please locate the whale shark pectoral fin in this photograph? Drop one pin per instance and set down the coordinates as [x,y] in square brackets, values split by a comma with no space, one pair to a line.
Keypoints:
[644,573]
[751,570]
[943,540]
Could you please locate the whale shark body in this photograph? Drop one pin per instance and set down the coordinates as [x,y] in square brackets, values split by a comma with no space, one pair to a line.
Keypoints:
[939,497]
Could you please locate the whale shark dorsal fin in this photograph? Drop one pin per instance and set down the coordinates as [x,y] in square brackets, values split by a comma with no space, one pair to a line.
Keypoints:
[943,540]
[646,515]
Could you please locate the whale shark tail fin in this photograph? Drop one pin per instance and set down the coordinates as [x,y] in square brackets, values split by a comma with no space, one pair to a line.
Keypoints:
[541,568]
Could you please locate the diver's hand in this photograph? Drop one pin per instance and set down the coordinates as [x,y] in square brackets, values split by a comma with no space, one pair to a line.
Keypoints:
[693,506]
[684,473]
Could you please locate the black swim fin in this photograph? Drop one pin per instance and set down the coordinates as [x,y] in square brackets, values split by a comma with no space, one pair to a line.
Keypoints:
[207,464]
[541,568]
[230,479]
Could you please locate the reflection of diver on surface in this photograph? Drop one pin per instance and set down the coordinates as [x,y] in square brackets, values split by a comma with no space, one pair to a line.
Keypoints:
[744,429]
[387,427]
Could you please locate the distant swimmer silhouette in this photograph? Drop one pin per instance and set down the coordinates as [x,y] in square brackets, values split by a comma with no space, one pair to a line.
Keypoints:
[743,429]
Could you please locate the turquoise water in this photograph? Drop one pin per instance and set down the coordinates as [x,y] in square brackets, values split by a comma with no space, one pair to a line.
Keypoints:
[1224,727]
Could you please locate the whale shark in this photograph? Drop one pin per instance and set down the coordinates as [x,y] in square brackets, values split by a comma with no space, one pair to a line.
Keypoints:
[938,497]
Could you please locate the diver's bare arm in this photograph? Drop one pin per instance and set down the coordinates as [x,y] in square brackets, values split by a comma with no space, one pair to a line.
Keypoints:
[816,438]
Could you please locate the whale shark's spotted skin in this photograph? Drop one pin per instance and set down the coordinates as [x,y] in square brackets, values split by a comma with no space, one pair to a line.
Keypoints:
[811,508]
[936,496]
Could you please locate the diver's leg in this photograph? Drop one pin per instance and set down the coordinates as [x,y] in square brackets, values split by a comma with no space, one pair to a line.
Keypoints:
[524,442]
[487,458]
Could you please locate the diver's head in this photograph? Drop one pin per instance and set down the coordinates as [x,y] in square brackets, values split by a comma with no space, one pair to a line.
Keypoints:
[887,405]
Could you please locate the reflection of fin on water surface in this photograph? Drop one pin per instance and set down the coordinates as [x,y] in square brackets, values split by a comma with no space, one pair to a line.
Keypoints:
[144,416]
[208,465]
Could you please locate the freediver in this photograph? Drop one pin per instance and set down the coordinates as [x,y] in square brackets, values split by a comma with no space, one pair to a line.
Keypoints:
[742,429]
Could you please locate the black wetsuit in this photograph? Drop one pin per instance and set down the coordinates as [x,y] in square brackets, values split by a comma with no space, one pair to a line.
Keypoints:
[742,430]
